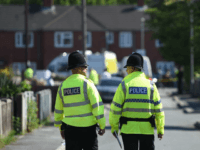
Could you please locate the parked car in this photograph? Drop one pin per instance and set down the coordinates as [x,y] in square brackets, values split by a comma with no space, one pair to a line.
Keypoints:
[108,87]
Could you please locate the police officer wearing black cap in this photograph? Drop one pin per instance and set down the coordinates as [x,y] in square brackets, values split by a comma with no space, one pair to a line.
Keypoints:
[79,108]
[137,105]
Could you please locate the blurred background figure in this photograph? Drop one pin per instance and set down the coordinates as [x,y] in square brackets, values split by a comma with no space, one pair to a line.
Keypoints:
[28,74]
[105,74]
[94,76]
[48,77]
[159,71]
[167,76]
[180,80]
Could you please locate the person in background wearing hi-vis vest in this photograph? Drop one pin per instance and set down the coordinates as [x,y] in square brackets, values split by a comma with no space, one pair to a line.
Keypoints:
[137,106]
[79,108]
[94,76]
[28,73]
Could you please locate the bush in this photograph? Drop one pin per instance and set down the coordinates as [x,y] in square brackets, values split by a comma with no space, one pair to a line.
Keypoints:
[32,120]
[24,86]
[7,87]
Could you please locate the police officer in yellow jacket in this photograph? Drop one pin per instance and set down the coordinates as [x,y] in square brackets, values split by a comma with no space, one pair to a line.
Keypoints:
[94,76]
[137,107]
[79,107]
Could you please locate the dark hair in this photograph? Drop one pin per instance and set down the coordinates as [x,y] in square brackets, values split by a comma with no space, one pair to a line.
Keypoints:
[105,69]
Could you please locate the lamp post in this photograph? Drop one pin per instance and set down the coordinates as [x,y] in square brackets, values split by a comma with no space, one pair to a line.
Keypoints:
[26,33]
[142,32]
[84,26]
[191,49]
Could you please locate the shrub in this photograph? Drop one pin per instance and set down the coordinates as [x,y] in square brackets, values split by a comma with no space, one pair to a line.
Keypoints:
[7,87]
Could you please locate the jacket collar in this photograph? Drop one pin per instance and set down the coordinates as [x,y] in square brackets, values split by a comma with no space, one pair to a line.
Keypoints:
[136,74]
[76,76]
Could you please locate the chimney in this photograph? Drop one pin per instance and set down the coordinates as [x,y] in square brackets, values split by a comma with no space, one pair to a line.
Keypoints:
[48,3]
[140,2]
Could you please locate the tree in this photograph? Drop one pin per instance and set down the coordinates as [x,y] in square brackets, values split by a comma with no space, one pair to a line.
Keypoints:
[171,24]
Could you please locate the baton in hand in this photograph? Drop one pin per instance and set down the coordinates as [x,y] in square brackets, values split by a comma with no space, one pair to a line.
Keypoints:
[115,133]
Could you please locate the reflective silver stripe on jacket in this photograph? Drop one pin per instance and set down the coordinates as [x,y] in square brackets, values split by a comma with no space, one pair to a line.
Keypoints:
[99,117]
[58,122]
[124,88]
[82,115]
[60,93]
[97,105]
[85,90]
[152,90]
[116,112]
[58,111]
[158,110]
[76,104]
[142,110]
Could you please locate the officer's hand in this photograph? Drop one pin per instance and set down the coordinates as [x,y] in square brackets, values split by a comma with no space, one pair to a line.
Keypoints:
[160,136]
[62,134]
[101,132]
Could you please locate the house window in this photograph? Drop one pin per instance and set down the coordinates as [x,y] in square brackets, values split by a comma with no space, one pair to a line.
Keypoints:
[125,39]
[63,39]
[20,40]
[110,37]
[89,39]
[158,43]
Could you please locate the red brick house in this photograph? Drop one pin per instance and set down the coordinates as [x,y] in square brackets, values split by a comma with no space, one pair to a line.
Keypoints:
[57,29]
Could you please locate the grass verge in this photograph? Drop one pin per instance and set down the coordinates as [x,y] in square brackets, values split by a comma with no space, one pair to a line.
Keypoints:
[8,139]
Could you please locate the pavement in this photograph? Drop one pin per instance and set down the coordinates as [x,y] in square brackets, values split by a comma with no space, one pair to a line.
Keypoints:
[180,132]
[188,104]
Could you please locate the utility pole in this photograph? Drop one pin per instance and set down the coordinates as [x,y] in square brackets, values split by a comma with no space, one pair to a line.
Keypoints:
[106,40]
[84,26]
[142,32]
[191,50]
[26,33]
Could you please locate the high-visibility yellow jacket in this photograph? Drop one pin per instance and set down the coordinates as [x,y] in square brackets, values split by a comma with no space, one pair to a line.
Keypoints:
[136,97]
[28,73]
[78,103]
[94,76]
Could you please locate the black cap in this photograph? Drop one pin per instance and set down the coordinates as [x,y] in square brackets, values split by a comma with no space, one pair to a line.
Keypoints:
[76,59]
[135,60]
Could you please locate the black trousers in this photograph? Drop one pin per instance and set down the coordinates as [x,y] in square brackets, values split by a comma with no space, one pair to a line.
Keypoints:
[133,141]
[78,138]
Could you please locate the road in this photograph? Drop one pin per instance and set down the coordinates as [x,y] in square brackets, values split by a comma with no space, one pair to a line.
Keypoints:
[180,133]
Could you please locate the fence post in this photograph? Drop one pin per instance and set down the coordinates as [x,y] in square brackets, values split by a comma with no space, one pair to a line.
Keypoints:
[24,112]
[9,115]
[1,118]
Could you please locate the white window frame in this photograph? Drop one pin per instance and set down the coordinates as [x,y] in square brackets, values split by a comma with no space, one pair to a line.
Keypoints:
[63,35]
[109,40]
[89,39]
[125,39]
[158,43]
[19,40]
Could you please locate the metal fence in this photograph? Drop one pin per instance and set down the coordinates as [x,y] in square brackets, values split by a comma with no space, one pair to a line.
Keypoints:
[5,116]
[44,101]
